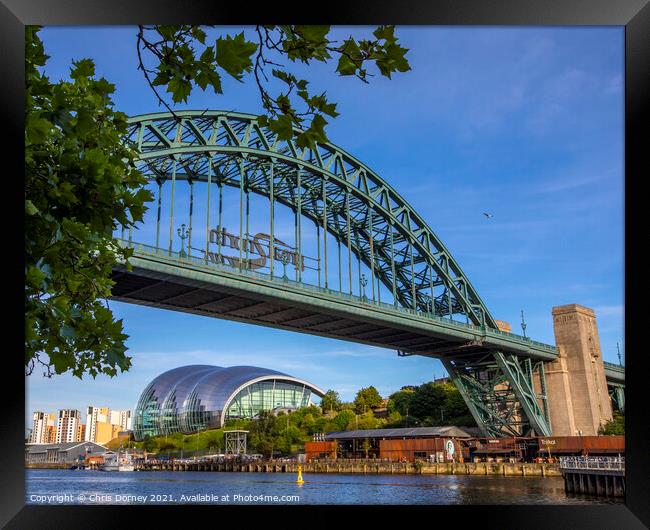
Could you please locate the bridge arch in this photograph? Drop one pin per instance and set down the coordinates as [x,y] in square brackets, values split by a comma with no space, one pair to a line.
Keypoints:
[326,185]
[434,310]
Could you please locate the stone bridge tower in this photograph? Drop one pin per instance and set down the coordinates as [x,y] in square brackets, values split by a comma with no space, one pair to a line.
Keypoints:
[577,393]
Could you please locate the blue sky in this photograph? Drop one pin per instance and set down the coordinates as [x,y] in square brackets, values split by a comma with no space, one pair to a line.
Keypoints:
[525,123]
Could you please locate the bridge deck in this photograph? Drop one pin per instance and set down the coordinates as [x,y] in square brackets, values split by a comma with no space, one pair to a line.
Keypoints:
[190,285]
[615,374]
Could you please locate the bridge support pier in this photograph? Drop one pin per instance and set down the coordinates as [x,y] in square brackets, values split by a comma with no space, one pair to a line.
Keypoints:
[576,382]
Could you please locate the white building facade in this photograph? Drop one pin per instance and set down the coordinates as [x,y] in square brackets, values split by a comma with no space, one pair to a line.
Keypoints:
[41,421]
[94,415]
[68,426]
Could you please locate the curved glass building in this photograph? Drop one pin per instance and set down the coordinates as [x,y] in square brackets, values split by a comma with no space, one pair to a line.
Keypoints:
[193,398]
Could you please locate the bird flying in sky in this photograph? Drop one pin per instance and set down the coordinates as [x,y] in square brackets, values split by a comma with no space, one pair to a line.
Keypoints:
[488,215]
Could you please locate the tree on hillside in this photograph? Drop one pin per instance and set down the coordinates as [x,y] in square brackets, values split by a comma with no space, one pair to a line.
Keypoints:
[367,399]
[430,404]
[81,183]
[455,405]
[366,421]
[400,400]
[330,401]
[427,401]
[344,420]
[262,433]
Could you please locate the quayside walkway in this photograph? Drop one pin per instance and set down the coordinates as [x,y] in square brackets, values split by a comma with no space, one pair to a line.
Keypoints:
[600,476]
[362,466]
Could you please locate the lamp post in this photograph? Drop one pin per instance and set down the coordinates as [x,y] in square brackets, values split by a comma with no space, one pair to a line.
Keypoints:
[363,281]
[184,234]
[284,259]
[523,323]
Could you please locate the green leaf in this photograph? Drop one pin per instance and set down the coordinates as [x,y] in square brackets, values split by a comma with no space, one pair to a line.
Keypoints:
[208,55]
[37,129]
[282,126]
[68,332]
[180,89]
[82,68]
[346,66]
[234,54]
[85,123]
[320,103]
[289,79]
[209,77]
[198,34]
[317,128]
[30,209]
[393,59]
[103,87]
[386,33]
[162,78]
[166,32]
[315,133]
[313,34]
[202,79]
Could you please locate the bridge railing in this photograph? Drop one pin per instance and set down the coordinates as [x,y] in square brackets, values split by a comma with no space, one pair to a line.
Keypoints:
[597,463]
[614,366]
[150,249]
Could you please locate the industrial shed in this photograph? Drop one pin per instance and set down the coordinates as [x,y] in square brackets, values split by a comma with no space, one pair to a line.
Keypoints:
[440,444]
[69,452]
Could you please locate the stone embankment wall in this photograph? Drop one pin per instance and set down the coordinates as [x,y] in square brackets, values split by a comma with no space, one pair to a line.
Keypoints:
[342,466]
[48,465]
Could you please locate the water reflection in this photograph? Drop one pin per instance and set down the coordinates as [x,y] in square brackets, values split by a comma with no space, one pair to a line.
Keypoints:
[317,489]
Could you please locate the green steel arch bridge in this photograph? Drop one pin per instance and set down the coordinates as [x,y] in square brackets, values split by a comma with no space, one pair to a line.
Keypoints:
[335,252]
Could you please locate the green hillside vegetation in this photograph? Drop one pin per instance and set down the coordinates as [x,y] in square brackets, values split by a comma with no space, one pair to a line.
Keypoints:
[615,426]
[430,404]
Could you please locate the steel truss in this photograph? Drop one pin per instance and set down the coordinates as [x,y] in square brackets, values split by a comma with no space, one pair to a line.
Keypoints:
[617,393]
[500,393]
[368,219]
[328,186]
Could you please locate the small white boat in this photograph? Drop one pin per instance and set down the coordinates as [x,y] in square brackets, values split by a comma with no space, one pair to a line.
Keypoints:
[118,462]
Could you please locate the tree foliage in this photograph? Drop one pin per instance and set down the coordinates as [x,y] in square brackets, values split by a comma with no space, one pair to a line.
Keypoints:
[430,404]
[331,401]
[616,426]
[180,58]
[80,183]
[344,420]
[400,400]
[80,178]
[262,433]
[367,399]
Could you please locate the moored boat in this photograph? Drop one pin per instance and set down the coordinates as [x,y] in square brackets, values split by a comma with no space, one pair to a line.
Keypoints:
[118,462]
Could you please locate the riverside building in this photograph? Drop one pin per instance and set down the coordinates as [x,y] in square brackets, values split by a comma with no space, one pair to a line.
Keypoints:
[67,428]
[193,398]
[104,424]
[121,418]
[94,415]
[42,428]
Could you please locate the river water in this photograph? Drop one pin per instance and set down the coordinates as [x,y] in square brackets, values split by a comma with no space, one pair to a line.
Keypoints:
[54,486]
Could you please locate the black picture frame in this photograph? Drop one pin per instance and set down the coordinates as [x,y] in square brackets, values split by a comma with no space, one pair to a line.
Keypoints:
[633,14]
